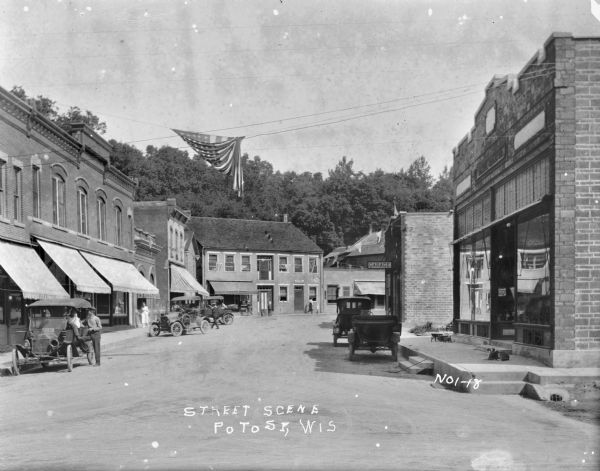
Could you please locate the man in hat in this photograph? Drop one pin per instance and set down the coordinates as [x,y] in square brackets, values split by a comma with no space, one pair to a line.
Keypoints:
[74,323]
[94,329]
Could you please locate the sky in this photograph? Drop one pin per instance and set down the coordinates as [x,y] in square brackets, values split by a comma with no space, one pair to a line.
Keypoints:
[307,82]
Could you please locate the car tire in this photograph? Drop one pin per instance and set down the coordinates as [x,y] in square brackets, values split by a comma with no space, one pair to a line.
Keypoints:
[69,358]
[177,329]
[15,363]
[154,330]
[228,318]
[204,326]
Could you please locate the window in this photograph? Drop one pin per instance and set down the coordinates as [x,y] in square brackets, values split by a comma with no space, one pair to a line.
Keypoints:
[345,291]
[59,210]
[265,267]
[298,265]
[229,263]
[35,192]
[246,263]
[171,243]
[101,219]
[332,293]
[283,262]
[18,199]
[2,187]
[118,225]
[312,292]
[283,294]
[212,262]
[312,265]
[490,120]
[82,210]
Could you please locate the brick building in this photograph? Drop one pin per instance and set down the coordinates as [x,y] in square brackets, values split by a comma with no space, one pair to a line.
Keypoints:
[527,211]
[176,263]
[419,281]
[271,265]
[66,220]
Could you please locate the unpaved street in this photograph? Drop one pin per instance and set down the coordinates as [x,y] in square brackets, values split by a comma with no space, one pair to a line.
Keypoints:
[244,397]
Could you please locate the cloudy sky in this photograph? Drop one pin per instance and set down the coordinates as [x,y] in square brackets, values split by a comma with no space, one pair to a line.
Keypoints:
[306,81]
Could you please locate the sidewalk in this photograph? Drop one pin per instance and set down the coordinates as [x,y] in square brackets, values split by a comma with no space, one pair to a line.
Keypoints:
[110,336]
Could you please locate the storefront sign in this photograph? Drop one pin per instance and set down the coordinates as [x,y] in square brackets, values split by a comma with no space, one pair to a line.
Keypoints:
[379,264]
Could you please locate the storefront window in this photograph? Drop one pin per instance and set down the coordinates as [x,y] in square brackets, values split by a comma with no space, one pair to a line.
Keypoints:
[475,280]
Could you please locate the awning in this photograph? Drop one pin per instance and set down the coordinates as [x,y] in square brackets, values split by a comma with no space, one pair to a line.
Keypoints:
[29,273]
[182,281]
[122,275]
[72,263]
[369,287]
[233,287]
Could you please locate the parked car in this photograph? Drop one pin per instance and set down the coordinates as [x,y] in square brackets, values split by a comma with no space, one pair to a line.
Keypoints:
[216,311]
[347,308]
[47,339]
[374,333]
[186,316]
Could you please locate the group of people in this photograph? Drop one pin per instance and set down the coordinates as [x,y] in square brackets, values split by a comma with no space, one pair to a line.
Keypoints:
[94,326]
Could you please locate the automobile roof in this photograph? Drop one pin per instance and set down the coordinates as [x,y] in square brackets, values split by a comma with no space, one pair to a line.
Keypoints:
[186,298]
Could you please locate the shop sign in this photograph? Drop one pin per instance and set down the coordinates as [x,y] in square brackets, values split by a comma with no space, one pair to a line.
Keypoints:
[379,265]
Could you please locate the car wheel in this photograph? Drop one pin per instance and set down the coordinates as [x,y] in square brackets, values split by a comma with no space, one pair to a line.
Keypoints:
[228,318]
[15,363]
[395,352]
[176,329]
[69,358]
[154,330]
[204,326]
[351,355]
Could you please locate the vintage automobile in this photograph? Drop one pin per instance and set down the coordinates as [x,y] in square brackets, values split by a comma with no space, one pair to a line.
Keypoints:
[347,308]
[48,340]
[216,312]
[185,316]
[374,333]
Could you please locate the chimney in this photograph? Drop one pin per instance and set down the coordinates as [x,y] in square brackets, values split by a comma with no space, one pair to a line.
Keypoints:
[285,218]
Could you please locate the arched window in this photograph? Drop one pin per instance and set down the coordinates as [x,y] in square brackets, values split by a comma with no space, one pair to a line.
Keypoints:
[101,207]
[118,225]
[59,197]
[82,210]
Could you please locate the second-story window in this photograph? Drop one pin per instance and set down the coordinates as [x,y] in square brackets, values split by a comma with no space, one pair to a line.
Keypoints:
[229,262]
[246,263]
[36,180]
[118,225]
[298,268]
[212,262]
[101,219]
[82,210]
[18,195]
[283,264]
[59,210]
[2,188]
[312,265]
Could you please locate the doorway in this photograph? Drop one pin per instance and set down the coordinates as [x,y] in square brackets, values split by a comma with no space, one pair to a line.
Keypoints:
[298,298]
[503,281]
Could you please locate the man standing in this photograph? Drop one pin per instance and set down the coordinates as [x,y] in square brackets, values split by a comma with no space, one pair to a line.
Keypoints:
[75,324]
[94,329]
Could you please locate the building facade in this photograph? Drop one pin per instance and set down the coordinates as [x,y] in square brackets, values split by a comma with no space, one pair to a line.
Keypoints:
[175,274]
[527,212]
[66,220]
[270,265]
[418,281]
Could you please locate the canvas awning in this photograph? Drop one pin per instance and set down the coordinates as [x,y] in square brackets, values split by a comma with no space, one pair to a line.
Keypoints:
[233,287]
[122,275]
[75,267]
[182,281]
[29,273]
[376,288]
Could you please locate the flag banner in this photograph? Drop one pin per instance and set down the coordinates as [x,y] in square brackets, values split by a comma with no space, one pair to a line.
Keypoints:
[223,153]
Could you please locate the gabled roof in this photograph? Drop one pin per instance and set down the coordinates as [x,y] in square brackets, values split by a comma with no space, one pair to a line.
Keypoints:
[251,235]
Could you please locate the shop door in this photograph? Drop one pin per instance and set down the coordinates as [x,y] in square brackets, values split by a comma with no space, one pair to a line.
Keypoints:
[298,298]
[265,300]
[503,281]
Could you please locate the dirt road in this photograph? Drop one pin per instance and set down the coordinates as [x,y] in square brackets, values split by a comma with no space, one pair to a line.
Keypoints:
[271,393]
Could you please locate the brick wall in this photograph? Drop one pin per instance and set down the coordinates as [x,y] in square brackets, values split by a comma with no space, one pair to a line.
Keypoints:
[427,268]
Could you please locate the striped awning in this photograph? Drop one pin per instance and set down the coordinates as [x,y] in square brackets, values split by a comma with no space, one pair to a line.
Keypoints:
[29,273]
[121,275]
[376,288]
[233,287]
[75,267]
[182,281]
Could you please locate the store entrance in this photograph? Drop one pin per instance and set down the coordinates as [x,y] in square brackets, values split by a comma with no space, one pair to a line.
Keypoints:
[503,281]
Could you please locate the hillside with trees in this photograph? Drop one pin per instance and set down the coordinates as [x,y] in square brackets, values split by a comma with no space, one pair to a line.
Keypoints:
[333,210]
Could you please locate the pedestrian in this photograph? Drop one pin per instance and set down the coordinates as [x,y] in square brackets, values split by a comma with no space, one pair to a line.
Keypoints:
[310,306]
[74,323]
[145,315]
[94,331]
